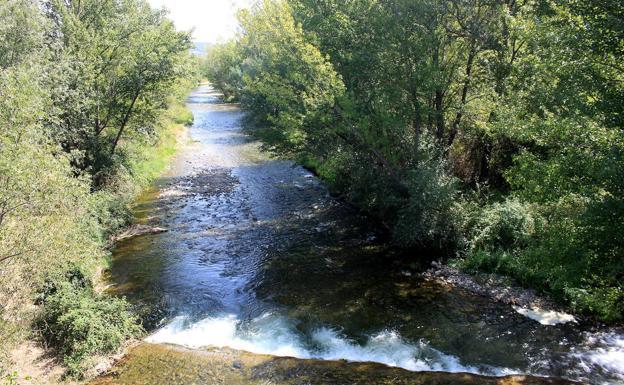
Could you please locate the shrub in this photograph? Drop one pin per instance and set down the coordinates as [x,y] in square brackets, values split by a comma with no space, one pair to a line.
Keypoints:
[8,378]
[607,302]
[80,323]
[488,261]
[503,225]
[426,219]
[545,248]
[181,115]
[111,210]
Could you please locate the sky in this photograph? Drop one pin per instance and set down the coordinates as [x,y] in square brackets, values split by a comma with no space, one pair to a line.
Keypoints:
[212,20]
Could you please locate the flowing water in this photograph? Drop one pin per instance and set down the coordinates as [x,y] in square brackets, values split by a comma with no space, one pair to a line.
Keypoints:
[259,257]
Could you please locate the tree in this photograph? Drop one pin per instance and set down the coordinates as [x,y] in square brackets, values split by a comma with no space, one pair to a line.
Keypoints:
[286,80]
[118,62]
[403,105]
[223,66]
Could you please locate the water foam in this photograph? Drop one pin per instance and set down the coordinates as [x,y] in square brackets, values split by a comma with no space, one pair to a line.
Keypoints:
[605,352]
[275,335]
[274,338]
[386,347]
[545,317]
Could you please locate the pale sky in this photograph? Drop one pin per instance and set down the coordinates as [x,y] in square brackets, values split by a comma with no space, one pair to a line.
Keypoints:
[212,20]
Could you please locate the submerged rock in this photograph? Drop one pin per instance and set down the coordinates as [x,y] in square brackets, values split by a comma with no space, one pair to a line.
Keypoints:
[493,286]
[166,364]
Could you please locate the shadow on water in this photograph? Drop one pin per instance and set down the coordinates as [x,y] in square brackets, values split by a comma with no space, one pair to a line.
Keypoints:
[259,257]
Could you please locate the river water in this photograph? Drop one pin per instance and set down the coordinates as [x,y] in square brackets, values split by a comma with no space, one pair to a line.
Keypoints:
[259,257]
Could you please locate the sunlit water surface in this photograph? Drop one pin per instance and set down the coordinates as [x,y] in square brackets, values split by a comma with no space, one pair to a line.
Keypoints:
[259,257]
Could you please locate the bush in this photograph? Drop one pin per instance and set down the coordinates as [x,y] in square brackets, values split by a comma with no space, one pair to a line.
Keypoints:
[503,225]
[487,261]
[8,379]
[111,210]
[606,302]
[80,323]
[544,247]
[426,219]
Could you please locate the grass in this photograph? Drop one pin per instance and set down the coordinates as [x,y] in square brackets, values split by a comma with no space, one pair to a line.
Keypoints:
[152,161]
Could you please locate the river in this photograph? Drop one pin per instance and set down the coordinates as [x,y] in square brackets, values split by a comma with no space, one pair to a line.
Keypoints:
[260,258]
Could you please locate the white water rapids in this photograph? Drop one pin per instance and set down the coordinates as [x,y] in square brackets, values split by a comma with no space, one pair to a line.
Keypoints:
[275,335]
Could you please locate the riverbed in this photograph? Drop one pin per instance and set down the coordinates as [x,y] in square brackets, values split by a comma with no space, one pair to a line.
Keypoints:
[258,258]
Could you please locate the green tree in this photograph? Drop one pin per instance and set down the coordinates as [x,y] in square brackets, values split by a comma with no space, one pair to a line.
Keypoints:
[64,66]
[118,62]
[513,105]
[286,80]
[222,66]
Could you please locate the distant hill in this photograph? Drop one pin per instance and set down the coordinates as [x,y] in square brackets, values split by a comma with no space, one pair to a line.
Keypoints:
[200,48]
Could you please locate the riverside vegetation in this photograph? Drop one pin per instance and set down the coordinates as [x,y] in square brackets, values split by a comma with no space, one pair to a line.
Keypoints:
[487,131]
[91,103]
[491,132]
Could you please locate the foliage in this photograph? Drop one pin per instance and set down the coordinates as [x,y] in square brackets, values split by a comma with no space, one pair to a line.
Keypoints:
[9,379]
[426,218]
[507,225]
[286,80]
[80,323]
[222,66]
[403,106]
[118,63]
[66,183]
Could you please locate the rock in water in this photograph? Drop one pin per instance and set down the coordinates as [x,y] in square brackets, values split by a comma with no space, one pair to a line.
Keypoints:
[136,230]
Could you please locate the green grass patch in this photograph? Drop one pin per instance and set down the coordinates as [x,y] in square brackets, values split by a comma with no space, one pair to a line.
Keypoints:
[150,161]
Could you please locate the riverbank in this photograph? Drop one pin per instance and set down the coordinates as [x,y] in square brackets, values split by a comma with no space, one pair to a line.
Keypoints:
[502,289]
[508,182]
[27,360]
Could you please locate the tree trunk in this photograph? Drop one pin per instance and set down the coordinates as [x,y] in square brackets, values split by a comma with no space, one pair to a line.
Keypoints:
[125,120]
[417,119]
[464,95]
[438,99]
